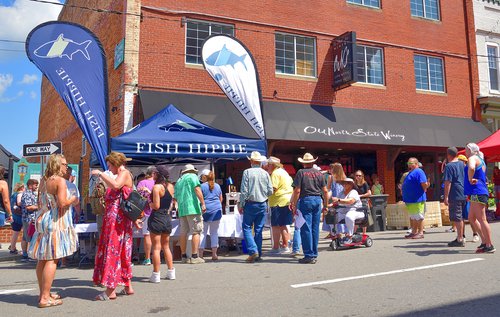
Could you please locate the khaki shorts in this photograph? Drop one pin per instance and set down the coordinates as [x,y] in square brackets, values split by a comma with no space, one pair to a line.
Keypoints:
[191,224]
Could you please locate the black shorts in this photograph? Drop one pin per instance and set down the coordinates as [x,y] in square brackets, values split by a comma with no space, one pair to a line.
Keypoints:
[281,216]
[159,222]
[456,208]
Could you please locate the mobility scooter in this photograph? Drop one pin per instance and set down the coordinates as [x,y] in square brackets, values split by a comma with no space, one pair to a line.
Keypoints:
[357,239]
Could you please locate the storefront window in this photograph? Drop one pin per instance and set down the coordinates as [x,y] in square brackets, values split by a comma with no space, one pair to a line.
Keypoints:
[295,55]
[370,65]
[197,32]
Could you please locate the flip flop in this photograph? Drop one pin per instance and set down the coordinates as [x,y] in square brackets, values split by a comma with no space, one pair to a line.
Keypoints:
[103,297]
[50,303]
[124,292]
[55,296]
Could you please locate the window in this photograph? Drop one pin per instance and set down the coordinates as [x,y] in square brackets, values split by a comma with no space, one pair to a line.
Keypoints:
[368,3]
[197,32]
[493,67]
[429,73]
[370,65]
[295,55]
[428,9]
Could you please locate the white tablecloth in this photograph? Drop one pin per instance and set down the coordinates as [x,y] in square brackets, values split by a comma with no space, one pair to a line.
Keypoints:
[230,227]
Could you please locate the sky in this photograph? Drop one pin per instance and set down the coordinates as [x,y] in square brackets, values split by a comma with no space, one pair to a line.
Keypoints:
[20,80]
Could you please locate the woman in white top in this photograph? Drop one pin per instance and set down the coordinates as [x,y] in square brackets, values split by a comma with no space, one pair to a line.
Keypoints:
[350,205]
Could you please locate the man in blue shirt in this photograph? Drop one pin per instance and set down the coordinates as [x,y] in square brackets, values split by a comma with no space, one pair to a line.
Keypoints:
[454,196]
[256,187]
[414,187]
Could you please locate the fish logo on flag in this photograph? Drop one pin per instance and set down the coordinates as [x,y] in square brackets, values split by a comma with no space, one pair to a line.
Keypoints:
[232,67]
[63,47]
[72,59]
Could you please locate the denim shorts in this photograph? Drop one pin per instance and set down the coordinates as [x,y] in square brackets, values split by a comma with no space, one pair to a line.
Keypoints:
[281,216]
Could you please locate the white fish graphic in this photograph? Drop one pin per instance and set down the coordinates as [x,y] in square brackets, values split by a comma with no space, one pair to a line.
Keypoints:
[63,47]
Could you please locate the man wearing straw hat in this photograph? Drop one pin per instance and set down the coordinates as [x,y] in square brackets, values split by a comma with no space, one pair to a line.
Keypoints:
[187,193]
[255,189]
[279,201]
[310,186]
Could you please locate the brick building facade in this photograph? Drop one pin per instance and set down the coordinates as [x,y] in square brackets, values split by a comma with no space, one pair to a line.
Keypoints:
[159,37]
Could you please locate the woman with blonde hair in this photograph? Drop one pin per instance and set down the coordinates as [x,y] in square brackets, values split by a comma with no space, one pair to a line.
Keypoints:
[335,188]
[113,262]
[55,237]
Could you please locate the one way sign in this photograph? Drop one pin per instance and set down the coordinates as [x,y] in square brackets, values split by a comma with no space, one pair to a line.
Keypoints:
[41,149]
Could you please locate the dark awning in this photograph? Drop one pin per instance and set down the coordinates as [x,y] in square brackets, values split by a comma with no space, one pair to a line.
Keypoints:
[285,121]
[216,112]
[299,122]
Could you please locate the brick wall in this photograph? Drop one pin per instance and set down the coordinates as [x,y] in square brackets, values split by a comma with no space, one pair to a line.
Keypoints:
[162,61]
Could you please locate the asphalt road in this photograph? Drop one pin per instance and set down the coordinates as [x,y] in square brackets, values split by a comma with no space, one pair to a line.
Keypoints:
[419,278]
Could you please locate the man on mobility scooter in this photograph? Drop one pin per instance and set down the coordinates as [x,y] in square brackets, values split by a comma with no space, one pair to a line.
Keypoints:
[349,210]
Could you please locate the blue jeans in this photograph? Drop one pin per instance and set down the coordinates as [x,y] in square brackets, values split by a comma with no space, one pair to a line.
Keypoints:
[297,241]
[254,214]
[310,206]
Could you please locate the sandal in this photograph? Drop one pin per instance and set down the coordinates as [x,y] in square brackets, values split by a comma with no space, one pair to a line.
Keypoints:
[124,292]
[50,303]
[103,297]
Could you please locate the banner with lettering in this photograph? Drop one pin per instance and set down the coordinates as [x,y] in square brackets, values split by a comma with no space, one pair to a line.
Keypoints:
[232,67]
[72,59]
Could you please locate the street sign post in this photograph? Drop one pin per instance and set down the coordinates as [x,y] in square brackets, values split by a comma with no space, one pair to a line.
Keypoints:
[41,149]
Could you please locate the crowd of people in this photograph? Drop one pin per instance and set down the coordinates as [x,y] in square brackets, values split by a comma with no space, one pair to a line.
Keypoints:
[45,211]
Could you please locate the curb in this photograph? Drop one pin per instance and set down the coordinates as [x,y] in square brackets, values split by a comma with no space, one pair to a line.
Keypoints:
[9,257]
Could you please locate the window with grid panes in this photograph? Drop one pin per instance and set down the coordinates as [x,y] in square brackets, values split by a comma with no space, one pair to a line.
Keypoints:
[370,65]
[368,3]
[428,9]
[493,66]
[197,32]
[295,55]
[429,73]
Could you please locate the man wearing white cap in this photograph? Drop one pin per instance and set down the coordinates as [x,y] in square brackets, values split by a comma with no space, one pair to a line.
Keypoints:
[187,193]
[256,187]
[279,201]
[310,186]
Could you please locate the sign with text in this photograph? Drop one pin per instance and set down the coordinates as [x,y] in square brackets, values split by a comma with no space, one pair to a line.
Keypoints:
[41,149]
[344,70]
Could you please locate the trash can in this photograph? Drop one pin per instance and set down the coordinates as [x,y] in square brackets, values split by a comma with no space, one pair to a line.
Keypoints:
[379,203]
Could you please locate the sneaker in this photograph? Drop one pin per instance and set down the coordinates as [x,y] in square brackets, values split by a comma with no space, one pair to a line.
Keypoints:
[450,230]
[135,258]
[410,235]
[274,251]
[155,277]
[32,260]
[24,258]
[197,260]
[285,250]
[418,236]
[185,260]
[171,274]
[347,240]
[15,251]
[259,259]
[475,238]
[456,243]
[251,258]
[480,248]
[146,262]
[307,261]
[409,231]
[490,249]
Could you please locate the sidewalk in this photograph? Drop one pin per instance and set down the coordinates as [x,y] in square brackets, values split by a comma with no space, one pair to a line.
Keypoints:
[6,256]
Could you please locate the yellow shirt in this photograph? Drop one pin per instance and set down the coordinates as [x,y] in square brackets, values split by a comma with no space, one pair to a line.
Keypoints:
[283,184]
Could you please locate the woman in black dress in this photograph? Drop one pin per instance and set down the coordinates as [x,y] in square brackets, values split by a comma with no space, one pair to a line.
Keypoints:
[160,225]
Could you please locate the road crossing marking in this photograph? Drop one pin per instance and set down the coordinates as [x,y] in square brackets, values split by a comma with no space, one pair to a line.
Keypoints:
[418,268]
[14,291]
